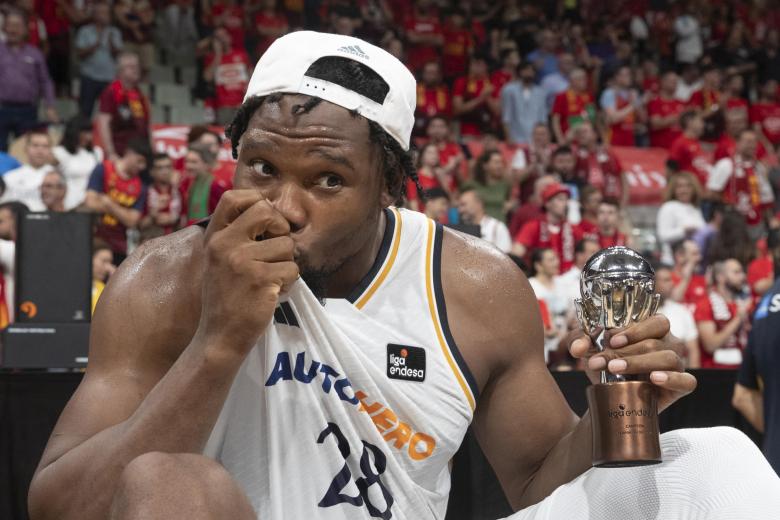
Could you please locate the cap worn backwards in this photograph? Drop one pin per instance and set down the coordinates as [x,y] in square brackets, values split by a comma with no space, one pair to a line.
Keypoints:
[283,69]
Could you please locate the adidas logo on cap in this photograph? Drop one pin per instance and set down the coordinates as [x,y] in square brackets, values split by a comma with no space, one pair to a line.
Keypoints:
[354,49]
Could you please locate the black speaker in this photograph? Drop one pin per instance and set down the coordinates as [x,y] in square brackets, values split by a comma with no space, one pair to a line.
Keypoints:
[44,345]
[53,268]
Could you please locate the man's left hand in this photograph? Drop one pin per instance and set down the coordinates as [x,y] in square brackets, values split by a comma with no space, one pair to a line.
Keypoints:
[646,347]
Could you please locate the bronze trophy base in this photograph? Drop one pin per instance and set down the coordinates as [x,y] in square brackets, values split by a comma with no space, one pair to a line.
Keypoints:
[624,415]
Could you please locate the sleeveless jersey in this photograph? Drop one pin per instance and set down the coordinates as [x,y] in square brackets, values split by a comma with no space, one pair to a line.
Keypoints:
[353,408]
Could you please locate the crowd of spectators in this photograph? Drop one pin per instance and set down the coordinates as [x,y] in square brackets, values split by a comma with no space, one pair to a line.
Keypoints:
[520,106]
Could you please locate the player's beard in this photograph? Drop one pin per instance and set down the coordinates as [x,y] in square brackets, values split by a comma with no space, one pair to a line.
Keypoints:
[317,277]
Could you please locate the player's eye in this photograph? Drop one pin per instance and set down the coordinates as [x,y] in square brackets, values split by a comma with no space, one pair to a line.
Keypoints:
[330,181]
[262,168]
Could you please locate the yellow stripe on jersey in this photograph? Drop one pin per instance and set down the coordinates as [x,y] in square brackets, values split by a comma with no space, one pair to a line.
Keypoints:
[388,263]
[435,317]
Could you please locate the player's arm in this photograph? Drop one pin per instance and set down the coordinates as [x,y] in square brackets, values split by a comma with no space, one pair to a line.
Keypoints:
[530,436]
[750,403]
[138,394]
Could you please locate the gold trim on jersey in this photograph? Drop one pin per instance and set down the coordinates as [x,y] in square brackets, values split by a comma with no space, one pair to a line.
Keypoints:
[435,316]
[361,302]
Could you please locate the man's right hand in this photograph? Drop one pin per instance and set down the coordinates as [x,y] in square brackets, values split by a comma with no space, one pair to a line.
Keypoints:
[249,262]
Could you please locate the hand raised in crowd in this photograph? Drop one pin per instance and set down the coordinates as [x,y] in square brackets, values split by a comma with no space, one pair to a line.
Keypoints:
[642,348]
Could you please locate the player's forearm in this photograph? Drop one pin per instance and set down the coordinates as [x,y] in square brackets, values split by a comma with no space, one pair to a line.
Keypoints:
[571,457]
[176,416]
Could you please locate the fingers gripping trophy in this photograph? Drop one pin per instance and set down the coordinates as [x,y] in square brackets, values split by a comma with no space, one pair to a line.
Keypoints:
[617,288]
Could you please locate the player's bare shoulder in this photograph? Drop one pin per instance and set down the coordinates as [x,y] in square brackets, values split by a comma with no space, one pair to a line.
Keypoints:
[491,307]
[152,303]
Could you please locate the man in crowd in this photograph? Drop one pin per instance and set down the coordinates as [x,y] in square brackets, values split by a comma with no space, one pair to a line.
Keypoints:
[474,99]
[689,286]
[472,211]
[227,69]
[451,156]
[557,82]
[608,220]
[597,165]
[53,190]
[24,81]
[97,45]
[24,183]
[437,205]
[552,230]
[742,182]
[523,106]
[116,192]
[102,268]
[570,280]
[686,150]
[622,108]
[765,114]
[545,57]
[723,317]
[664,113]
[200,189]
[573,106]
[590,200]
[532,161]
[681,322]
[424,34]
[124,112]
[162,212]
[433,97]
[532,208]
[757,391]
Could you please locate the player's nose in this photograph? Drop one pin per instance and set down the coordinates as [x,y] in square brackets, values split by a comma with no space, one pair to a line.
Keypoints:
[288,200]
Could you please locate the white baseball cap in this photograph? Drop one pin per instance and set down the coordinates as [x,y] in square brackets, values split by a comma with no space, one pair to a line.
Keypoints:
[283,67]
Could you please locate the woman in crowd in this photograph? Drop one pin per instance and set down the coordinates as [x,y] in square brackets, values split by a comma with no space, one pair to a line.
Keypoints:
[490,181]
[544,280]
[431,175]
[679,216]
[77,157]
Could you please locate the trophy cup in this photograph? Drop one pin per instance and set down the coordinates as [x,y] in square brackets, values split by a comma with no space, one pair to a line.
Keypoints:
[617,287]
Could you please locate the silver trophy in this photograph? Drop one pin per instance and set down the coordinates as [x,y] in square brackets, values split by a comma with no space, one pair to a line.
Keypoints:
[617,288]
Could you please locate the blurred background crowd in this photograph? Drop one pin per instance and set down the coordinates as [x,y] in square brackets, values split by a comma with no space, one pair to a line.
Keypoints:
[523,109]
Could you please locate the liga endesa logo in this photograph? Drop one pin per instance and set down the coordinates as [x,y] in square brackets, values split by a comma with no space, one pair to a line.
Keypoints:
[622,411]
[405,362]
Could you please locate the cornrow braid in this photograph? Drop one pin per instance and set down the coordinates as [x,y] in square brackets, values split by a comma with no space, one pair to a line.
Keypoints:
[397,165]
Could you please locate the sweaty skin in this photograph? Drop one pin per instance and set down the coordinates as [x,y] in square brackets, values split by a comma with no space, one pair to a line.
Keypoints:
[178,318]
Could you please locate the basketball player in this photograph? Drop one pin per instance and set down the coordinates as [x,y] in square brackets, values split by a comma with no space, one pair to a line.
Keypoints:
[221,386]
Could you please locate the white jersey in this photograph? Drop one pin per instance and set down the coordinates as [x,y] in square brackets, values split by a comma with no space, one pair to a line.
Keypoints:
[354,408]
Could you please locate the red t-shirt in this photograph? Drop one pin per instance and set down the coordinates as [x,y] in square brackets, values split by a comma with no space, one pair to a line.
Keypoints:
[696,290]
[457,46]
[768,116]
[419,55]
[129,111]
[742,191]
[129,193]
[589,229]
[714,308]
[475,122]
[690,157]
[433,101]
[233,21]
[265,21]
[601,169]
[560,238]
[618,239]
[703,99]
[54,17]
[651,84]
[622,132]
[664,137]
[447,151]
[231,77]
[737,104]
[426,183]
[500,78]
[759,269]
[573,108]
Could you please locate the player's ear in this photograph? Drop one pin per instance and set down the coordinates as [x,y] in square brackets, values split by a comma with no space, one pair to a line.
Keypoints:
[386,199]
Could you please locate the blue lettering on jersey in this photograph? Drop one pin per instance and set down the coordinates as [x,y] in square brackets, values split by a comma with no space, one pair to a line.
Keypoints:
[283,371]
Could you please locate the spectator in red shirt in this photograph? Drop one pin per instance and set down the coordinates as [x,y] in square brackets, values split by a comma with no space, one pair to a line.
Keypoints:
[531,209]
[123,109]
[531,162]
[707,99]
[475,101]
[608,219]
[203,134]
[430,175]
[433,97]
[622,108]
[510,61]
[686,150]
[450,154]
[564,164]
[200,190]
[597,165]
[590,200]
[552,230]
[732,99]
[664,113]
[573,106]
[116,192]
[458,45]
[651,82]
[723,317]
[36,29]
[162,211]
[765,114]
[227,67]
[760,275]
[424,35]
[689,287]
[742,181]
[230,16]
[270,23]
